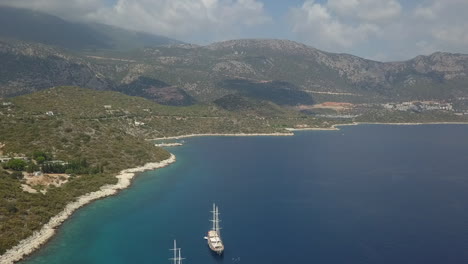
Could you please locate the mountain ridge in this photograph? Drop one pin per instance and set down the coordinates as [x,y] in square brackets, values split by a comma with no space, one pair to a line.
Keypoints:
[258,60]
[267,69]
[35,26]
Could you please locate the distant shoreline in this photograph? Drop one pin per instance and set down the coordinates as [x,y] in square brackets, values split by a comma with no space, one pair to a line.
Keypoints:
[337,126]
[291,130]
[28,245]
[225,135]
[402,124]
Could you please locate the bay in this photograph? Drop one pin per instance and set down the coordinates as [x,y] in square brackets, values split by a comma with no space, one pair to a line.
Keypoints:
[363,194]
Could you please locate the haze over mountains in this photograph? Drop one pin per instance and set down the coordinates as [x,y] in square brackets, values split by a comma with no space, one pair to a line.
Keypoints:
[29,25]
[39,51]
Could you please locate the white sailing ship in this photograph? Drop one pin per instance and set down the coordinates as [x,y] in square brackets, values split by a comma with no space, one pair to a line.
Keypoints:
[214,235]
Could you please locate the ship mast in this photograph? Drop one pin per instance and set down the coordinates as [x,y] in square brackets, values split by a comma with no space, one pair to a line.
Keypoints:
[217,221]
[214,217]
[177,256]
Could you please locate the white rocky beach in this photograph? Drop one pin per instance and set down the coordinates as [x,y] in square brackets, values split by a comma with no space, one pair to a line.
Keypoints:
[225,135]
[34,242]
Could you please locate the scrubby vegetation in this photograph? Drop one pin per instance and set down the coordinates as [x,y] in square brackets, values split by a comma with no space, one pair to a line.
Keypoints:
[21,212]
[95,134]
[94,148]
[15,164]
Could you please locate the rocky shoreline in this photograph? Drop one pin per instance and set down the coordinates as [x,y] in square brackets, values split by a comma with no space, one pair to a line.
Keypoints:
[35,241]
[225,135]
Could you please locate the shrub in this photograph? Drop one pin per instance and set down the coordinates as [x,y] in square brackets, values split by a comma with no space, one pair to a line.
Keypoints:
[12,208]
[40,160]
[15,164]
[32,167]
[17,175]
[41,156]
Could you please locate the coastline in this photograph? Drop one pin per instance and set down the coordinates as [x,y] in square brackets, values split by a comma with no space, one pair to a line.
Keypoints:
[40,237]
[168,145]
[28,245]
[337,126]
[224,135]
[291,130]
[400,124]
[332,128]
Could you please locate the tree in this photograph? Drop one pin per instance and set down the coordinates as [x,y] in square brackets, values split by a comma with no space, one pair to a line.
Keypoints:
[16,164]
[40,159]
[41,156]
[32,167]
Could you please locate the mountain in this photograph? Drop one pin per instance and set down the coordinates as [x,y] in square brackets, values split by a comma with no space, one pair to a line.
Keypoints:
[284,72]
[32,26]
[157,91]
[29,67]
[310,75]
[435,76]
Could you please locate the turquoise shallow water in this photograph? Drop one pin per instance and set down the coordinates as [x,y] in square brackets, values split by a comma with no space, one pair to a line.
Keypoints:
[364,194]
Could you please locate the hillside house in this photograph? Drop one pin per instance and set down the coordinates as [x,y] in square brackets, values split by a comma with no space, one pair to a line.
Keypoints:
[60,162]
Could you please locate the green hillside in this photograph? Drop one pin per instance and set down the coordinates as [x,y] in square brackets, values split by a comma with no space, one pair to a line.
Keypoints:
[101,133]
[78,130]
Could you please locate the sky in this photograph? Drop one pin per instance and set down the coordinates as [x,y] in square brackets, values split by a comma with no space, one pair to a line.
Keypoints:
[384,30]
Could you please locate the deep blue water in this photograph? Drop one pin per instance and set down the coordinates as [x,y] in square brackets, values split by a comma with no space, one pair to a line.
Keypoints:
[364,194]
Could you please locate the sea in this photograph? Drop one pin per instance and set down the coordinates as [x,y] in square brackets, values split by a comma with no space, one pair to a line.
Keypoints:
[362,194]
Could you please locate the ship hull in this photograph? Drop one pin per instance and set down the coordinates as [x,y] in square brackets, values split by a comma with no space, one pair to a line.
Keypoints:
[215,243]
[215,251]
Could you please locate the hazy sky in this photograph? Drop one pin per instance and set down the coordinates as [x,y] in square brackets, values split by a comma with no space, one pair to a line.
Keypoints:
[376,29]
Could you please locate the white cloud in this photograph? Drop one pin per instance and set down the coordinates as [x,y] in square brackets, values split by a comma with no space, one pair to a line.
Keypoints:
[425,13]
[368,10]
[445,21]
[385,29]
[456,35]
[190,20]
[71,9]
[319,24]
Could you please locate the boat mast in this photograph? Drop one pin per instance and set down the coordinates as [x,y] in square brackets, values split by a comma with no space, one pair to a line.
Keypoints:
[179,259]
[214,217]
[175,252]
[217,220]
[177,255]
